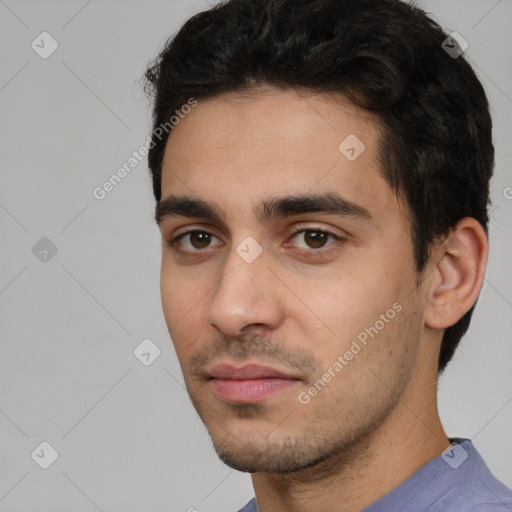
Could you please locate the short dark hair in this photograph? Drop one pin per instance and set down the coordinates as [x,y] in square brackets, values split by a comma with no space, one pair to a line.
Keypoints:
[386,57]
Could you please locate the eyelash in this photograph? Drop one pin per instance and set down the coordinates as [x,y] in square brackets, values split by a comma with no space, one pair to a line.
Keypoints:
[306,252]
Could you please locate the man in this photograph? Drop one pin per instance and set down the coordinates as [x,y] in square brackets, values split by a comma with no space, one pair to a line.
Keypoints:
[321,170]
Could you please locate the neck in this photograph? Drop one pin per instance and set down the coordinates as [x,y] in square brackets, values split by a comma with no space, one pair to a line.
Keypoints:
[364,472]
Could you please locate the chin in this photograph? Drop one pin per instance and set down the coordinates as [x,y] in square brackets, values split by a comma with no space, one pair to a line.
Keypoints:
[285,456]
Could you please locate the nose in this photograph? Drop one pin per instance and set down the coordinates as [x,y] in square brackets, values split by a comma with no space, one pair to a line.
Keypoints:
[246,298]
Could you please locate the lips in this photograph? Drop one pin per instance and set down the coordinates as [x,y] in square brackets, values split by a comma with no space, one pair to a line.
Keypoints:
[248,384]
[247,372]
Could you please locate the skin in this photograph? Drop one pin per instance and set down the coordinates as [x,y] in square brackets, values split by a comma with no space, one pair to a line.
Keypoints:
[376,421]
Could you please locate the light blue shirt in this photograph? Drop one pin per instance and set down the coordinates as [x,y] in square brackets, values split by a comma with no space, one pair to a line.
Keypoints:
[458,480]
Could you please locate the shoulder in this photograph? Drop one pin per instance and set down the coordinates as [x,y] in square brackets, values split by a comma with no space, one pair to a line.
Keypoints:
[250,507]
[476,499]
[473,487]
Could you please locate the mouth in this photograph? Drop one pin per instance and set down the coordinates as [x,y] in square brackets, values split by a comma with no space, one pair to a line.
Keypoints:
[250,383]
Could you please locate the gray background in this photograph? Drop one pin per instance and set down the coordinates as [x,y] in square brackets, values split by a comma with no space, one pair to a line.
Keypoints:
[127,437]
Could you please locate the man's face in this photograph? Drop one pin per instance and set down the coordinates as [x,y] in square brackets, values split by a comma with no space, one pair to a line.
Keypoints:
[320,291]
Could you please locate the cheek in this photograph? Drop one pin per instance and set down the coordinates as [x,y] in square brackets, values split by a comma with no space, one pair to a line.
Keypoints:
[181,288]
[371,375]
[182,305]
[171,290]
[362,306]
[350,304]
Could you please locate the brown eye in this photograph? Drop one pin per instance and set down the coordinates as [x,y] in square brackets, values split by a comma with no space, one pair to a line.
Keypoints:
[316,239]
[195,241]
[200,240]
[313,238]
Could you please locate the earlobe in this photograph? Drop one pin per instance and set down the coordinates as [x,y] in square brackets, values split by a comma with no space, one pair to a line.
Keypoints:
[458,274]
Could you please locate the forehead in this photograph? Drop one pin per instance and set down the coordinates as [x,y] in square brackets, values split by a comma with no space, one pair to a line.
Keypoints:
[238,150]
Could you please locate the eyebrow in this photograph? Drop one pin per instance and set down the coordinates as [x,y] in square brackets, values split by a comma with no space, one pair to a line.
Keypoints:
[271,209]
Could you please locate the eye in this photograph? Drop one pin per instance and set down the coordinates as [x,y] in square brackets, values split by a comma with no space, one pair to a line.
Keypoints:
[194,241]
[314,238]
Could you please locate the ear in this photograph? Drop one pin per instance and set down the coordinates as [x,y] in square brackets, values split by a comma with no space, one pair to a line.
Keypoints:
[458,275]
